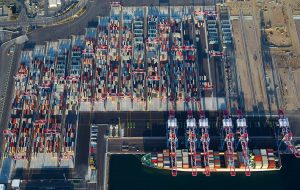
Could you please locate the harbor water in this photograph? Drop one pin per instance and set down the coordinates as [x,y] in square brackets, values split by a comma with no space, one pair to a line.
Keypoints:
[127,172]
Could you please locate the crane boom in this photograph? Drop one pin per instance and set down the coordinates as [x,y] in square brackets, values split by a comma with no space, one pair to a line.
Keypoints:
[172,132]
[192,139]
[287,135]
[243,139]
[203,125]
[229,139]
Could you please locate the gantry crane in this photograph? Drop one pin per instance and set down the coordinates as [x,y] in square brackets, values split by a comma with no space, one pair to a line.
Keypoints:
[243,139]
[192,140]
[203,125]
[229,139]
[172,141]
[287,135]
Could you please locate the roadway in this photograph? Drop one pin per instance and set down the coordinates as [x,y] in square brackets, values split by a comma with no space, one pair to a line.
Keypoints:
[7,69]
[101,158]
[23,20]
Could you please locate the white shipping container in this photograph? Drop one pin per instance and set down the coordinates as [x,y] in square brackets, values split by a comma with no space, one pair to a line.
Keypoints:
[263,152]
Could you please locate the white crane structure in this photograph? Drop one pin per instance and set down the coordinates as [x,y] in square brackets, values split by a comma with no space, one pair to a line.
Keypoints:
[229,139]
[243,139]
[173,141]
[192,140]
[287,135]
[204,127]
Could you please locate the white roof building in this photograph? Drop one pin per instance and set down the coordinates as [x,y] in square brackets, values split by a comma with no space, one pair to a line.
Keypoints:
[54,3]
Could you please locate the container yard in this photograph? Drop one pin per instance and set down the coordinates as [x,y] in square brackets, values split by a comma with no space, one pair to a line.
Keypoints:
[41,133]
[129,60]
[155,58]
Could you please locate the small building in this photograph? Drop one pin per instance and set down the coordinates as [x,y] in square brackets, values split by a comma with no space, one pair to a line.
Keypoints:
[54,3]
[4,11]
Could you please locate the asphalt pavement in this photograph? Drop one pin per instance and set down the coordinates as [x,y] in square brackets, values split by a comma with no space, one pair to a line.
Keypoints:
[8,66]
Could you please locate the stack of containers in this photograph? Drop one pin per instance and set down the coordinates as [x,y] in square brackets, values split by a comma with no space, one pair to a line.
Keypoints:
[160,160]
[271,159]
[217,160]
[185,159]
[211,159]
[154,158]
[24,135]
[265,162]
[69,138]
[166,155]
[198,160]
[179,158]
[38,139]
[257,159]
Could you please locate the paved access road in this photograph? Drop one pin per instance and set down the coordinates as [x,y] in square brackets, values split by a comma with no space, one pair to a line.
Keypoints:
[43,20]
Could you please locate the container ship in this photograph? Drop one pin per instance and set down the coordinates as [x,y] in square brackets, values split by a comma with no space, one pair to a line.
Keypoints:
[206,160]
[260,160]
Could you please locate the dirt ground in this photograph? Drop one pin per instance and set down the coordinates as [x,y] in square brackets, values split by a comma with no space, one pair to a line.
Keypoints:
[283,36]
[255,64]
[289,89]
[243,78]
